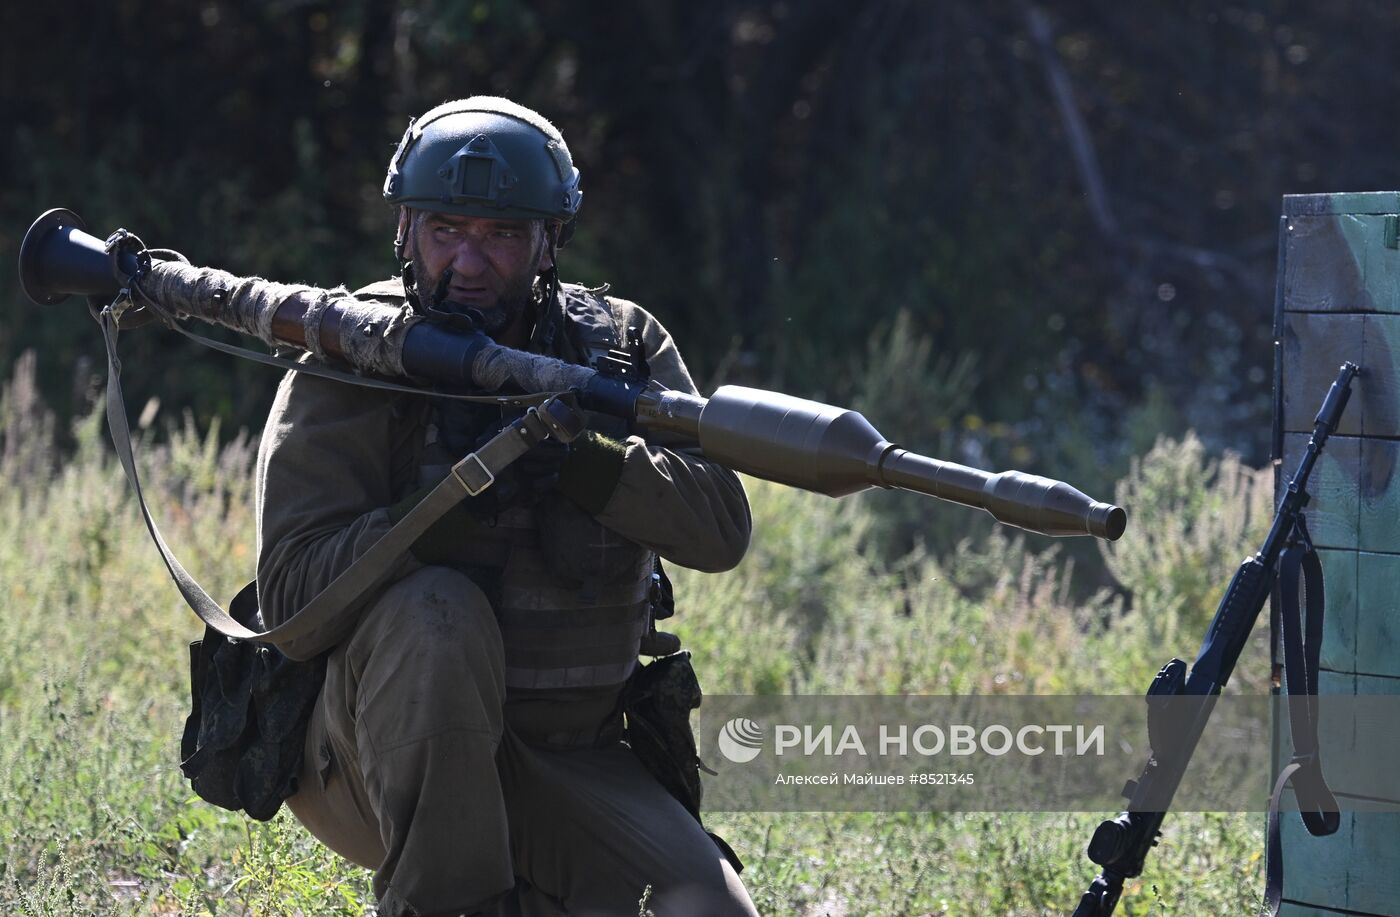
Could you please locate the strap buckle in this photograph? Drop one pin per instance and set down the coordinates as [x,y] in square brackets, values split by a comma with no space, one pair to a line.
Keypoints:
[480,476]
[560,418]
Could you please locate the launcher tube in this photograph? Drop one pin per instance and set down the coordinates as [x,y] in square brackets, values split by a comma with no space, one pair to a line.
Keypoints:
[793,441]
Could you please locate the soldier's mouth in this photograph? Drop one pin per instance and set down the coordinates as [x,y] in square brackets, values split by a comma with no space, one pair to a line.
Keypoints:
[469,295]
[448,291]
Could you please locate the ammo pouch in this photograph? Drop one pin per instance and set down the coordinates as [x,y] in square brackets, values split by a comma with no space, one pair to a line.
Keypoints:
[243,739]
[657,702]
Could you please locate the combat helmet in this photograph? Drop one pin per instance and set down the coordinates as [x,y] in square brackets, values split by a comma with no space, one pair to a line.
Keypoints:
[485,157]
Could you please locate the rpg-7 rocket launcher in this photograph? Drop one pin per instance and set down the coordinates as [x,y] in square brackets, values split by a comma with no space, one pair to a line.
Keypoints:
[792,441]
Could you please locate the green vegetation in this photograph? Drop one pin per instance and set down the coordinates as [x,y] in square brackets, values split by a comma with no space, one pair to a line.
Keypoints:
[770,177]
[95,819]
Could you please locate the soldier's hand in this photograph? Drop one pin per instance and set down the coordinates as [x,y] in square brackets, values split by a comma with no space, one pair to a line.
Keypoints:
[586,471]
[525,481]
[521,483]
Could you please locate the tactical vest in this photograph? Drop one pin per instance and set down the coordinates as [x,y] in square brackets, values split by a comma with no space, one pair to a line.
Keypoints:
[572,597]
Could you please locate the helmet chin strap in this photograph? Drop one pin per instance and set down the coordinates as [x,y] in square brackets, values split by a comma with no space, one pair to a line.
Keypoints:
[406,271]
[467,320]
[410,287]
[552,285]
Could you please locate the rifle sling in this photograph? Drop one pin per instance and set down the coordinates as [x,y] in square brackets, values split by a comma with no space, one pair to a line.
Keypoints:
[1299,566]
[344,594]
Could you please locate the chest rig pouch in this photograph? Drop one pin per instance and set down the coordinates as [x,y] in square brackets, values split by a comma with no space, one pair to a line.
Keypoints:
[657,703]
[658,698]
[572,597]
[242,744]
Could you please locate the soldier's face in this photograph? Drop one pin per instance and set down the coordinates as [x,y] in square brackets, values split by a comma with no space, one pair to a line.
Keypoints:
[487,266]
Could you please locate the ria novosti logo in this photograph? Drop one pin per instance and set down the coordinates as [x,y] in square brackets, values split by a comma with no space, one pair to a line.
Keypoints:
[741,740]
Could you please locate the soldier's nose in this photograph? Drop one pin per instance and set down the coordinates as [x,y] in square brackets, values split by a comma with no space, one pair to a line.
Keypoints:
[467,260]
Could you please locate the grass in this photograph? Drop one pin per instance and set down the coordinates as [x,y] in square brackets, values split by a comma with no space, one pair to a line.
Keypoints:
[95,818]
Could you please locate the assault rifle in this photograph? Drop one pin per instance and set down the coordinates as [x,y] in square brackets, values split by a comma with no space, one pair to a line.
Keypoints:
[1179,706]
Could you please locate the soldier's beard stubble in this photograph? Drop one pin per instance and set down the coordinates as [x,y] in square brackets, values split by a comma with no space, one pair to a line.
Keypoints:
[517,297]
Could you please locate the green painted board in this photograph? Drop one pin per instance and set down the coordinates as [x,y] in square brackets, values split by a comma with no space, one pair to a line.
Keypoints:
[1342,202]
[1357,738]
[1338,296]
[1322,272]
[1373,875]
[1315,345]
[1336,683]
[1377,390]
[1355,489]
[1334,512]
[1377,488]
[1341,263]
[1382,257]
[1290,909]
[1370,769]
[1339,578]
[1336,736]
[1377,632]
[1314,868]
[1356,870]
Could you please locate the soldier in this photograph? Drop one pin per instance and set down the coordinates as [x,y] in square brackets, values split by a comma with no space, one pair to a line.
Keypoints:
[467,743]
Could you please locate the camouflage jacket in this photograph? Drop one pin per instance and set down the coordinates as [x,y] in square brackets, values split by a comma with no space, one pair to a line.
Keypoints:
[334,457]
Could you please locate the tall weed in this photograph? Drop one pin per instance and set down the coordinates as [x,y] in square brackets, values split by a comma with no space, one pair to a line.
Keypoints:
[94,818]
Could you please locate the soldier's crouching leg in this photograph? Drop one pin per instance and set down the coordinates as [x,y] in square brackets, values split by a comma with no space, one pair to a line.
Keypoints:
[400,771]
[593,830]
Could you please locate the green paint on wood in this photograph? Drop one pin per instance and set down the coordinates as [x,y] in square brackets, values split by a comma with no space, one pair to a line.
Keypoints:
[1314,868]
[1289,909]
[1340,282]
[1357,868]
[1340,684]
[1357,735]
[1323,272]
[1336,734]
[1373,874]
[1376,392]
[1371,768]
[1315,345]
[1340,263]
[1380,264]
[1378,490]
[1334,509]
[1379,686]
[1348,761]
[1339,577]
[1342,202]
[1377,630]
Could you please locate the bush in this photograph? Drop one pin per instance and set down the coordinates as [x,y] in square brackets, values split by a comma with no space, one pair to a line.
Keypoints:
[93,692]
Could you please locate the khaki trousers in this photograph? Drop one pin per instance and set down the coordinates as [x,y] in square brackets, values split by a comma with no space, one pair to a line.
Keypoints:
[412,771]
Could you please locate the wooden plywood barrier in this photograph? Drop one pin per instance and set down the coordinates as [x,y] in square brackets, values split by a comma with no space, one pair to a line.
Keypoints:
[1338,299]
